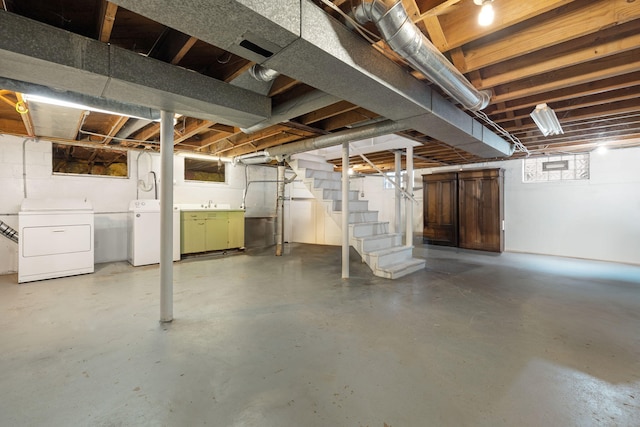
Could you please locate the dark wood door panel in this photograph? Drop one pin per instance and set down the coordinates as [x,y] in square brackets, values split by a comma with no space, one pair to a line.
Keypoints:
[440,209]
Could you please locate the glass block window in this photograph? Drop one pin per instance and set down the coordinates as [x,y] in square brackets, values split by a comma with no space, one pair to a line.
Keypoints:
[566,167]
[392,175]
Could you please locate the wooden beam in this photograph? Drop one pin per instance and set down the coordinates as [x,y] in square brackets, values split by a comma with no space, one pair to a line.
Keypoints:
[193,127]
[148,132]
[346,119]
[326,112]
[436,34]
[117,122]
[591,88]
[460,23]
[574,22]
[107,18]
[26,117]
[591,52]
[605,68]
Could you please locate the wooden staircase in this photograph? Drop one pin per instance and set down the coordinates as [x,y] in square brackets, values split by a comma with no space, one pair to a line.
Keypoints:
[384,252]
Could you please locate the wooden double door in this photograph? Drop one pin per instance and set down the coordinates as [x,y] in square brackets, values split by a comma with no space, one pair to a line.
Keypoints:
[464,209]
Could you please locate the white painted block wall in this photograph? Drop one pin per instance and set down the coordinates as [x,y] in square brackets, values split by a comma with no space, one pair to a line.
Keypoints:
[111,196]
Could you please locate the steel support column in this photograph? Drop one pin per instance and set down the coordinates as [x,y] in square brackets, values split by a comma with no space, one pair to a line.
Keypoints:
[345,210]
[166,216]
[409,204]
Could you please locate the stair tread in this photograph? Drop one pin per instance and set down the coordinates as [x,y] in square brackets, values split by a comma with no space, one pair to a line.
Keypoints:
[378,236]
[390,250]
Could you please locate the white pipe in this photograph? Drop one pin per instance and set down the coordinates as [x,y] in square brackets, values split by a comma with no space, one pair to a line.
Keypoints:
[166,217]
[409,204]
[345,210]
[398,200]
[280,211]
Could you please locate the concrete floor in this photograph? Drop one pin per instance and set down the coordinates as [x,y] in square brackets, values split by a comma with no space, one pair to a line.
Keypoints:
[473,340]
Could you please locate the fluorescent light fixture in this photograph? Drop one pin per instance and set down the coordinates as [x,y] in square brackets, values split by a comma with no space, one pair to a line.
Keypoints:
[486,15]
[546,120]
[68,104]
[203,156]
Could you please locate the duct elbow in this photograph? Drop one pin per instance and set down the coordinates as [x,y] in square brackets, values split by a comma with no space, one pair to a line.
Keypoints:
[263,74]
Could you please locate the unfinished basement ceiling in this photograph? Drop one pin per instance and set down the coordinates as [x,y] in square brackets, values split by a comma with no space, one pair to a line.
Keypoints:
[580,57]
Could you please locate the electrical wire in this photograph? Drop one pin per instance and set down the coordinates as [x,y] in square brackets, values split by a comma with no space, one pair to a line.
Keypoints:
[518,145]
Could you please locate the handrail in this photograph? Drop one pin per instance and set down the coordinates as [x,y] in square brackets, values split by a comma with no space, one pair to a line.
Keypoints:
[384,175]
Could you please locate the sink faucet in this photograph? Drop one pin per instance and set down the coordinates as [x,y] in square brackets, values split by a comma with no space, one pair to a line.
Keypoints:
[209,204]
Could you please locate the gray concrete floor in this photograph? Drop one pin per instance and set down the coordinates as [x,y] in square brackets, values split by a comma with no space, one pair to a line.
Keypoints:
[473,340]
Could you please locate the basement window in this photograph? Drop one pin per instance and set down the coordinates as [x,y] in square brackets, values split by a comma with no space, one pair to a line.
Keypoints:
[204,170]
[568,167]
[387,185]
[75,160]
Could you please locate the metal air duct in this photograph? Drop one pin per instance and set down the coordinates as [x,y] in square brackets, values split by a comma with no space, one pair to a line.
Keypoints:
[263,74]
[408,41]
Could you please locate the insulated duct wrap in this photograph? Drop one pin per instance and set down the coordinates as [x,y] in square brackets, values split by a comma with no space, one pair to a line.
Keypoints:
[408,41]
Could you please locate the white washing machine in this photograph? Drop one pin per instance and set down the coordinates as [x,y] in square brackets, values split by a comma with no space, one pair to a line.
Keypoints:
[144,232]
[55,238]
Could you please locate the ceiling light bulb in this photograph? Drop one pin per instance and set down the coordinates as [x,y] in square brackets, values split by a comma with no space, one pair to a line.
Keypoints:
[486,15]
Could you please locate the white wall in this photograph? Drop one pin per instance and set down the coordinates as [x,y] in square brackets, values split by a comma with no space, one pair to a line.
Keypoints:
[111,196]
[595,219]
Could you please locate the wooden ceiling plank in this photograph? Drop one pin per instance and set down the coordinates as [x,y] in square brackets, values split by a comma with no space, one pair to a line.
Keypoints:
[346,119]
[148,132]
[26,117]
[107,18]
[194,127]
[456,24]
[326,112]
[582,102]
[576,23]
[117,124]
[592,88]
[586,54]
[183,50]
[432,23]
[597,70]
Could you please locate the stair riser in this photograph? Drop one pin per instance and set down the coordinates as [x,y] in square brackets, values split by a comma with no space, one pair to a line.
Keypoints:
[337,195]
[354,205]
[377,244]
[363,230]
[398,274]
[332,176]
[325,184]
[370,216]
[389,259]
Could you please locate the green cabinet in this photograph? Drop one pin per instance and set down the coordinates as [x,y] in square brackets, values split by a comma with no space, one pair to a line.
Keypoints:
[203,231]
[236,229]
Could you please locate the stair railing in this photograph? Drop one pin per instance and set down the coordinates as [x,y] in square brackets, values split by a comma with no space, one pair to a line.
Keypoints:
[384,175]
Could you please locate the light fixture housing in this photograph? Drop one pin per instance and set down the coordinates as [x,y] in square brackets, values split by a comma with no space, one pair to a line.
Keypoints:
[486,15]
[546,120]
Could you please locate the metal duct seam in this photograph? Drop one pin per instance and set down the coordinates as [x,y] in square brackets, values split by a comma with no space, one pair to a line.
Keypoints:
[407,40]
[382,128]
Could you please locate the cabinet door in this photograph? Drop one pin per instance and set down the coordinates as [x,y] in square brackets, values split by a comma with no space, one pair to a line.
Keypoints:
[236,229]
[440,209]
[481,210]
[192,236]
[217,231]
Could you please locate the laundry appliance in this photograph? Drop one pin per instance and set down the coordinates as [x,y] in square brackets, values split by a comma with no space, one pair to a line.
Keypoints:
[56,238]
[144,232]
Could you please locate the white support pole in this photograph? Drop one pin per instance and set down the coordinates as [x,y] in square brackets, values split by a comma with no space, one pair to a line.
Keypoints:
[398,166]
[345,210]
[166,216]
[409,203]
[280,210]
